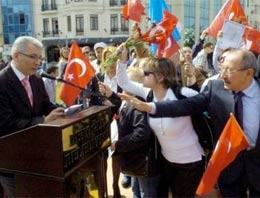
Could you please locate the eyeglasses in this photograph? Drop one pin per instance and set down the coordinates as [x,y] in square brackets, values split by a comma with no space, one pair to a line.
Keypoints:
[31,56]
[228,71]
[147,73]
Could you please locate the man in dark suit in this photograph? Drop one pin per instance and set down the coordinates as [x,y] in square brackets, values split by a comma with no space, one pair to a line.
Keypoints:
[23,99]
[237,75]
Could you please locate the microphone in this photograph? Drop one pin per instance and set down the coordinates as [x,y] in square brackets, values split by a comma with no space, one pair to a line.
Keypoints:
[42,74]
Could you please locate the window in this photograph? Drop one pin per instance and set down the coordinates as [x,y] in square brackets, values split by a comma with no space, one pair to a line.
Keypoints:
[69,23]
[189,14]
[113,2]
[46,24]
[204,14]
[124,24]
[93,22]
[123,2]
[55,26]
[79,24]
[22,18]
[114,23]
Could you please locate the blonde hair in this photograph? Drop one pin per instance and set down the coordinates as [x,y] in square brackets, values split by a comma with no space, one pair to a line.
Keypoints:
[135,74]
[109,49]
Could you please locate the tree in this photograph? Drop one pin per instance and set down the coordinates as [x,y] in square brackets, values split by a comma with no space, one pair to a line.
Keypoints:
[189,38]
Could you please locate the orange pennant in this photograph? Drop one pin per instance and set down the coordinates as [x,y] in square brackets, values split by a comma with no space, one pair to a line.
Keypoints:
[231,142]
[133,10]
[231,10]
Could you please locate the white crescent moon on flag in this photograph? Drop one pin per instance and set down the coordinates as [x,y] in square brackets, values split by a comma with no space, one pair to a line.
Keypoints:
[81,63]
[169,43]
[155,29]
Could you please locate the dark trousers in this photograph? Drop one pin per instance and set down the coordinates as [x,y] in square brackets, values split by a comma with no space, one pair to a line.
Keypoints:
[239,188]
[116,173]
[181,179]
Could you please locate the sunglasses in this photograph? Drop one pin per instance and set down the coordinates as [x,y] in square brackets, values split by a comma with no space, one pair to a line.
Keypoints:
[147,73]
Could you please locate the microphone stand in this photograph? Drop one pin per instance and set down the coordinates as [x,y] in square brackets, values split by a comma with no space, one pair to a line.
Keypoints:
[85,92]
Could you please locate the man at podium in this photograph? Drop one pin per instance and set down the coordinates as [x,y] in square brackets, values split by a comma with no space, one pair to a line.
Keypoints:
[23,99]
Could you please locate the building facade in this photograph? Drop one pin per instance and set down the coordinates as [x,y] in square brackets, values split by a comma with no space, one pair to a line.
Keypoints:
[59,22]
[16,19]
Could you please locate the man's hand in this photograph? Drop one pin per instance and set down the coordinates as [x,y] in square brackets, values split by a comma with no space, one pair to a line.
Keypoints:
[204,34]
[138,104]
[104,89]
[54,115]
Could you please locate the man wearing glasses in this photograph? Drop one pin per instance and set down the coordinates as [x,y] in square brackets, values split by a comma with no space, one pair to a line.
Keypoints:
[23,99]
[237,92]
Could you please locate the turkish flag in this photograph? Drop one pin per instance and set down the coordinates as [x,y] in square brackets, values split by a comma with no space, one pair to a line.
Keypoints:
[252,39]
[232,140]
[133,10]
[168,48]
[231,10]
[79,71]
[160,32]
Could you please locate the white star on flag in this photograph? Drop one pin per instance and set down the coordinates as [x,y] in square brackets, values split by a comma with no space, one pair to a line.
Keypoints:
[70,77]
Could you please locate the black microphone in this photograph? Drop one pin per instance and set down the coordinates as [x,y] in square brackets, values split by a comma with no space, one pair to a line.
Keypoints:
[42,74]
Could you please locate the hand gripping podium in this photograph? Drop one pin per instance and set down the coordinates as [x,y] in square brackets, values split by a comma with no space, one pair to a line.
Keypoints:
[43,157]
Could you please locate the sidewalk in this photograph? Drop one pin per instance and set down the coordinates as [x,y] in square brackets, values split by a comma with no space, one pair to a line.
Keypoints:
[126,193]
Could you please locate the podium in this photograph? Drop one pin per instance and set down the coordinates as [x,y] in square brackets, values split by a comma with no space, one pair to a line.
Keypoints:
[44,156]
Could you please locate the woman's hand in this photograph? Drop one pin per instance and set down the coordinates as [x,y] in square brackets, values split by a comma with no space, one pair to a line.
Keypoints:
[138,104]
[124,53]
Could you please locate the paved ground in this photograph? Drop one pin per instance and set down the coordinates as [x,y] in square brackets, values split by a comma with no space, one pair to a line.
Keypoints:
[127,193]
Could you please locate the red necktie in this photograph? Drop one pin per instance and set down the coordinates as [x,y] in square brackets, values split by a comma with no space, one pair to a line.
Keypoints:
[28,89]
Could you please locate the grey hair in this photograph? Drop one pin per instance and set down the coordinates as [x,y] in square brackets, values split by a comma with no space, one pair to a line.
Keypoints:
[248,59]
[20,44]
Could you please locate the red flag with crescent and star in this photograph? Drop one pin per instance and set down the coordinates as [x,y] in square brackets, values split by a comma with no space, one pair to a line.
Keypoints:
[231,10]
[79,71]
[231,142]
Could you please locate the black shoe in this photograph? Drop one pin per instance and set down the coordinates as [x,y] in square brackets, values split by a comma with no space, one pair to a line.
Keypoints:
[126,181]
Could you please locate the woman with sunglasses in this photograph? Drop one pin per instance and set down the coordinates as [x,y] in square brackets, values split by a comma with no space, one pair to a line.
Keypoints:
[182,155]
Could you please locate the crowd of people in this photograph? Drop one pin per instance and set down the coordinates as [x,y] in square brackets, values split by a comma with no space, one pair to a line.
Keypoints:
[150,119]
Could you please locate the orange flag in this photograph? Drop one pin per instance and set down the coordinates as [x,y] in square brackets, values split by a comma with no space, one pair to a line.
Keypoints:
[79,72]
[133,10]
[168,49]
[231,10]
[232,140]
[160,32]
[252,39]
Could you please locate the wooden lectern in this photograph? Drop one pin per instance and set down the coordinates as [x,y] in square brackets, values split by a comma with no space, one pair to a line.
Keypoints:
[44,156]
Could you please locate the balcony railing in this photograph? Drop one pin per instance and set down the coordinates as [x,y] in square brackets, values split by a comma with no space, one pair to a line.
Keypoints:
[46,7]
[116,31]
[50,34]
[117,2]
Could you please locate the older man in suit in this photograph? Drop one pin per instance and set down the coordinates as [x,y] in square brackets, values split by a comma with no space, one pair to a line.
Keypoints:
[220,98]
[23,99]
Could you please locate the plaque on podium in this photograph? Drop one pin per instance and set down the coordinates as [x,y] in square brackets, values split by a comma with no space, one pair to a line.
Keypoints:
[43,157]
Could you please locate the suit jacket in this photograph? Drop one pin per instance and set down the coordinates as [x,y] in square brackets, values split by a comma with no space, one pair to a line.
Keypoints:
[16,113]
[219,102]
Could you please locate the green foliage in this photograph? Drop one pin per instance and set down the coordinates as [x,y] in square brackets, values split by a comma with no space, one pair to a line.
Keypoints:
[189,38]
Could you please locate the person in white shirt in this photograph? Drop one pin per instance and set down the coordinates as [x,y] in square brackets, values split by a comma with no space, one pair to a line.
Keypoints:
[182,154]
[98,48]
[50,85]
